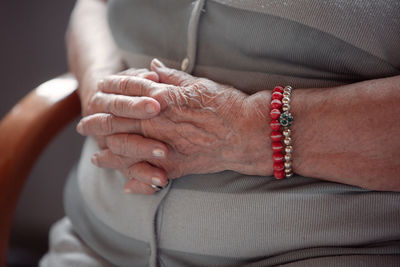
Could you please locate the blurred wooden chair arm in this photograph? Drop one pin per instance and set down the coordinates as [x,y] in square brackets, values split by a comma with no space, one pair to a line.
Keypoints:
[24,132]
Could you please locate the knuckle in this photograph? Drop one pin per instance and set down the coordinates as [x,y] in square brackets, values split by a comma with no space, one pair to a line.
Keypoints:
[125,106]
[111,142]
[171,74]
[172,97]
[83,122]
[117,105]
[162,95]
[106,124]
[116,143]
[99,159]
[144,85]
[143,149]
[175,172]
[126,162]
[137,150]
[90,124]
[186,149]
[129,172]
[135,170]
[103,159]
[123,85]
[159,94]
[130,105]
[124,144]
[114,105]
[199,84]
[93,103]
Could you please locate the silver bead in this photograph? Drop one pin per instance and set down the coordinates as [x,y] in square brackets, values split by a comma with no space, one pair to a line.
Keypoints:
[286,100]
[289,175]
[286,94]
[285,107]
[288,164]
[288,157]
[288,149]
[288,88]
[286,132]
[288,170]
[287,141]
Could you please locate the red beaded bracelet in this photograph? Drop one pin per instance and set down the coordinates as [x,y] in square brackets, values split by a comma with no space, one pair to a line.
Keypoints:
[276,135]
[282,119]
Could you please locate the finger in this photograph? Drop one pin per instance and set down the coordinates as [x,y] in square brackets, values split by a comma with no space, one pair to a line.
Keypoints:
[136,146]
[171,76]
[102,124]
[107,159]
[128,85]
[125,106]
[152,76]
[143,73]
[146,173]
[136,187]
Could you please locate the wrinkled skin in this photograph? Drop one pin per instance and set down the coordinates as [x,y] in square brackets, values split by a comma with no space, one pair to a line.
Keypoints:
[202,127]
[100,102]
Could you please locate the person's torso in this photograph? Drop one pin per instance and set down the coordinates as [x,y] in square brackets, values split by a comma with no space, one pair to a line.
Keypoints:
[229,217]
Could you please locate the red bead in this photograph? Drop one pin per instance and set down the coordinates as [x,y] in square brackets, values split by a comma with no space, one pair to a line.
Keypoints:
[277,146]
[279,174]
[277,157]
[275,113]
[276,136]
[276,95]
[276,103]
[278,89]
[278,166]
[275,125]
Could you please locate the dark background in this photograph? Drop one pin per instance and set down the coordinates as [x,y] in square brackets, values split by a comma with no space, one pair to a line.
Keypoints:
[32,50]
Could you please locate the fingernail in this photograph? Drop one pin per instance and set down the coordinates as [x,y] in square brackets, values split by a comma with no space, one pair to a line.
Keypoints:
[157,63]
[150,108]
[93,159]
[156,187]
[127,191]
[79,128]
[100,85]
[158,153]
[156,181]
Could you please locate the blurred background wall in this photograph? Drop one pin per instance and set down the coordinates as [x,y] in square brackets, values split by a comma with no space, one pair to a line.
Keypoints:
[33,51]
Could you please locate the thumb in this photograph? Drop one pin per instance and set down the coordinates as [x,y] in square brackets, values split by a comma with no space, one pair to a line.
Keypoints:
[170,76]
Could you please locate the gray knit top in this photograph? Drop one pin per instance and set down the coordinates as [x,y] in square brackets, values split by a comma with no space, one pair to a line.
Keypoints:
[227,218]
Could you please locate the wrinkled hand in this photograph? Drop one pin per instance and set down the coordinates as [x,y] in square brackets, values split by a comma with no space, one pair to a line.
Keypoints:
[133,107]
[203,127]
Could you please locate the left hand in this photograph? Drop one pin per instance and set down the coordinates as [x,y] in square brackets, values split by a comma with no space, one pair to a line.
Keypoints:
[207,127]
[94,101]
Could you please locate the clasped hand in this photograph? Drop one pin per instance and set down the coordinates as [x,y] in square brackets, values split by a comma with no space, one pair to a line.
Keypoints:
[164,124]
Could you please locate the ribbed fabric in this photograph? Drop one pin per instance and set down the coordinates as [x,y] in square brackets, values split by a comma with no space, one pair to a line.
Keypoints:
[339,19]
[227,218]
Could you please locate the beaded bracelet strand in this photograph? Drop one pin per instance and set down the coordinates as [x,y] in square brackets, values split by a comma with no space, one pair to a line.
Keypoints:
[281,117]
[286,120]
[276,135]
